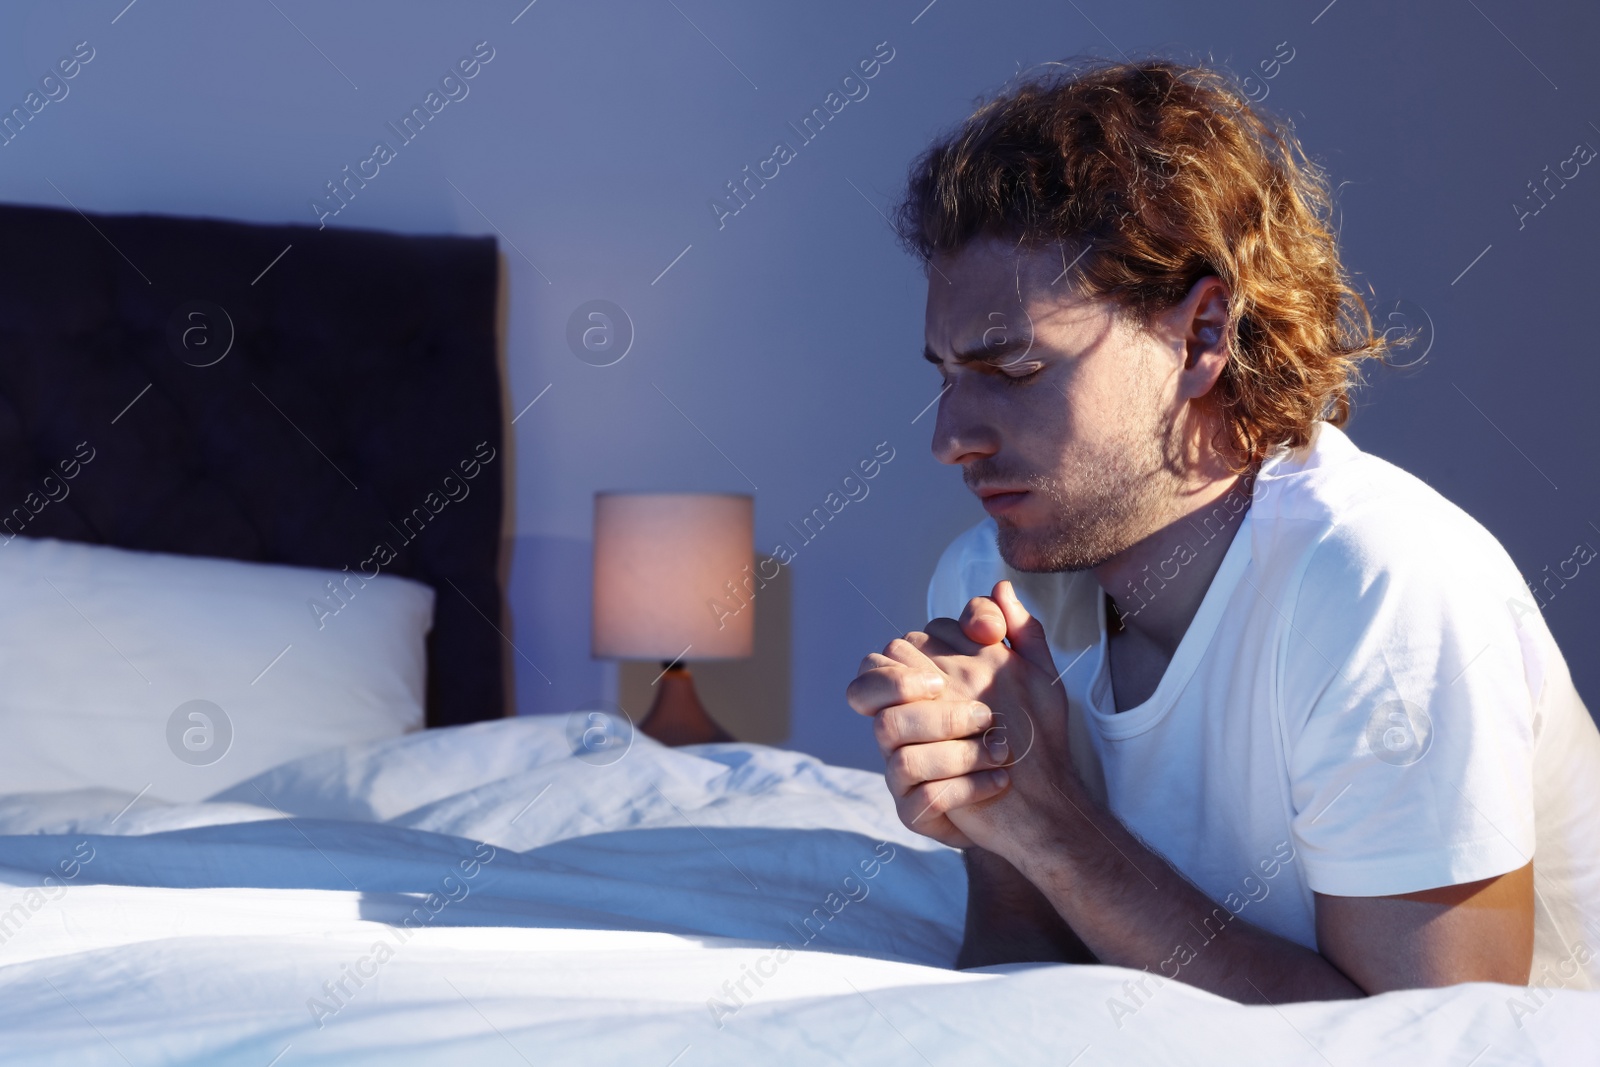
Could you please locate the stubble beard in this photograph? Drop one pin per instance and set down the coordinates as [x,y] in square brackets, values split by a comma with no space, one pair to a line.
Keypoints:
[1102,505]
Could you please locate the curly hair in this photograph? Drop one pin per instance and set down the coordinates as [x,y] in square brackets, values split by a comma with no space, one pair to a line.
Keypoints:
[1159,174]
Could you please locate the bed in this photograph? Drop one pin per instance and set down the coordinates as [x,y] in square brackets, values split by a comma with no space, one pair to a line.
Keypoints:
[422,879]
[479,894]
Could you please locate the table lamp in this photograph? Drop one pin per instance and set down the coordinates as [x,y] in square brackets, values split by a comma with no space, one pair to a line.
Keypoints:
[662,566]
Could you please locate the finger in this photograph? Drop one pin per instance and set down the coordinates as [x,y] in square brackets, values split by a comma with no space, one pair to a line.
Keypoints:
[931,801]
[1025,632]
[873,660]
[1009,737]
[930,645]
[983,622]
[907,651]
[912,766]
[949,633]
[881,687]
[941,829]
[930,720]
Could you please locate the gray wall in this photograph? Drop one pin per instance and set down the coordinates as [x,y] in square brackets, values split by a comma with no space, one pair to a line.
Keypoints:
[789,336]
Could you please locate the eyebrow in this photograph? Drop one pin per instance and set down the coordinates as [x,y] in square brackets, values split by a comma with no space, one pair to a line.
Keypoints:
[980,354]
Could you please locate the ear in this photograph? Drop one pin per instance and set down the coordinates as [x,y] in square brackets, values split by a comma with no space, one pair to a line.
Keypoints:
[1201,320]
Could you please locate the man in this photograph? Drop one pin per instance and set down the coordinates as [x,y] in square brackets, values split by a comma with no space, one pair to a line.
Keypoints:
[1228,700]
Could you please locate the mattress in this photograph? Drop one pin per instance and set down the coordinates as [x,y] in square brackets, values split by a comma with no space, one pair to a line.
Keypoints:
[492,893]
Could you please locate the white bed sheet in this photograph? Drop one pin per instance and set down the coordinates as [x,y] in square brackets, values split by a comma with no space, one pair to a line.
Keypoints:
[609,915]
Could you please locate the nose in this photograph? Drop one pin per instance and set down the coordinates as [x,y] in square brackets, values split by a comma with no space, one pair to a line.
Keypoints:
[961,432]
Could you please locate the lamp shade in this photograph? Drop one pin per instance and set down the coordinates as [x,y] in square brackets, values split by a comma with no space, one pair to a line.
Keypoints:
[662,565]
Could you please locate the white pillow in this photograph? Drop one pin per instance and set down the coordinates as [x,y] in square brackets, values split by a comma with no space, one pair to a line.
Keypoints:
[104,650]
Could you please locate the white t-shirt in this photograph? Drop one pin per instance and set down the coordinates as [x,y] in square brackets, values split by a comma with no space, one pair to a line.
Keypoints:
[1366,703]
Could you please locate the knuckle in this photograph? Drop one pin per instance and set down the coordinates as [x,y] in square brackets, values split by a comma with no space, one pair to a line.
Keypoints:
[921,804]
[895,771]
[909,765]
[908,685]
[881,693]
[913,815]
[886,728]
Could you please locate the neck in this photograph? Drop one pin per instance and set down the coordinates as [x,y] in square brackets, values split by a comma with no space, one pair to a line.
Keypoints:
[1156,585]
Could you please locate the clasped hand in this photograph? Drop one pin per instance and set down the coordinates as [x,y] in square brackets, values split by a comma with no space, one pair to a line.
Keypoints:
[973,732]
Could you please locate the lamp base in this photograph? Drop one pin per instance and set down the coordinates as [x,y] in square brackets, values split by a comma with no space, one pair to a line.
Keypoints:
[677,716]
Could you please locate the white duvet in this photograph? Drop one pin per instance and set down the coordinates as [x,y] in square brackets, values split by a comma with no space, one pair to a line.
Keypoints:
[479,895]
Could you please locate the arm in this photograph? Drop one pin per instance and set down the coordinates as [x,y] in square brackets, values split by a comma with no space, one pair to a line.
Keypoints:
[1133,910]
[1028,892]
[1475,932]
[1010,921]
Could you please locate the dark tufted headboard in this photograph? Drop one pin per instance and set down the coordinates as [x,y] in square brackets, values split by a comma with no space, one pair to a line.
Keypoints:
[362,371]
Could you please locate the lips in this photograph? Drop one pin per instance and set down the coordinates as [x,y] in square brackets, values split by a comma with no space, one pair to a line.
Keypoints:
[999,501]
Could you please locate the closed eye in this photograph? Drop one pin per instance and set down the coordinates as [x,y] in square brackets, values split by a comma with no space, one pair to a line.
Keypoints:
[1018,372]
[1005,360]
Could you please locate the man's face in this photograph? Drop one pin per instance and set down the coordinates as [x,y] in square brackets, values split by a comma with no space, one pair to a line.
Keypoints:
[1059,412]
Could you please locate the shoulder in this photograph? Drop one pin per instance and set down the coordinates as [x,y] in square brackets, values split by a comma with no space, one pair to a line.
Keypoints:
[1344,523]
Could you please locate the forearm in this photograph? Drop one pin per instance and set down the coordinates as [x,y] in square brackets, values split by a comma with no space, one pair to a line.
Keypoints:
[1132,909]
[1010,921]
